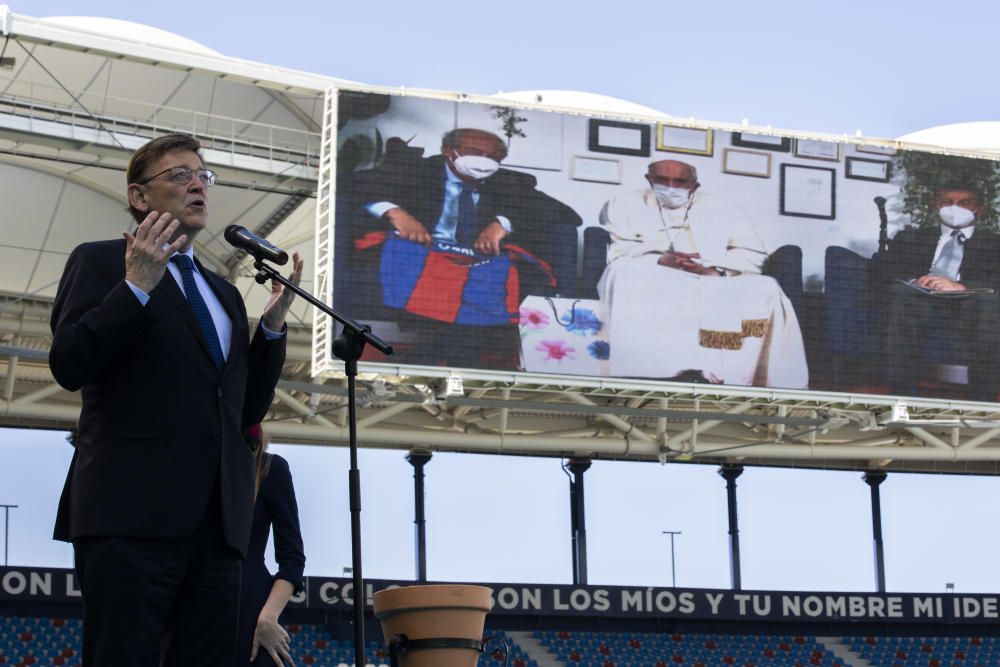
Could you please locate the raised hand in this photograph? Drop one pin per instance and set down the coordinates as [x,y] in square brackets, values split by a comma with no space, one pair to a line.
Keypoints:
[148,251]
[280,300]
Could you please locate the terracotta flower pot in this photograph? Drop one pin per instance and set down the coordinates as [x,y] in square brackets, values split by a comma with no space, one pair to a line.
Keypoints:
[447,611]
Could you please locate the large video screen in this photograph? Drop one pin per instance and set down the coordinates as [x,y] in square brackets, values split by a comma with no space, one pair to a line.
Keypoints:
[488,237]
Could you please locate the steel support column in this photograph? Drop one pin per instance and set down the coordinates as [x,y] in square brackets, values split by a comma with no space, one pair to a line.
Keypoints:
[418,459]
[578,521]
[874,479]
[730,472]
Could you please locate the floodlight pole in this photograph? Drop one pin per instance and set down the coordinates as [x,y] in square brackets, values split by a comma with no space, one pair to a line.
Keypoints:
[418,459]
[6,530]
[874,479]
[578,519]
[729,472]
[673,561]
[348,347]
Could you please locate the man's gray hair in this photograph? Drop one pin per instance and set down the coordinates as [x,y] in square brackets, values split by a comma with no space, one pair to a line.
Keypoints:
[453,138]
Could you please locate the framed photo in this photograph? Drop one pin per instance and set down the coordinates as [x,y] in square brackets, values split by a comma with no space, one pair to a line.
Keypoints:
[766,142]
[865,169]
[596,169]
[877,150]
[817,149]
[746,163]
[808,192]
[692,140]
[620,138]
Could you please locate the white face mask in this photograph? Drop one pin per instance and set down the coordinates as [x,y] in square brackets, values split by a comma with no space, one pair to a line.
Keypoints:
[956,216]
[477,167]
[671,197]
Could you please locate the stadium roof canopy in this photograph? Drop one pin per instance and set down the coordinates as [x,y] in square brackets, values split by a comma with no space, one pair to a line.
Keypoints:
[78,94]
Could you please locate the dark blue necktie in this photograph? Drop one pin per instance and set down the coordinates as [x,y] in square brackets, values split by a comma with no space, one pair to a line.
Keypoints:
[466,231]
[200,308]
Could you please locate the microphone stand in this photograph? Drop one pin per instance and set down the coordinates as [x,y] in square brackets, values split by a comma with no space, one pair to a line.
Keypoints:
[348,347]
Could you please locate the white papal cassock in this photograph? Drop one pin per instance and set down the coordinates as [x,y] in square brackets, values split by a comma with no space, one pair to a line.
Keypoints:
[738,329]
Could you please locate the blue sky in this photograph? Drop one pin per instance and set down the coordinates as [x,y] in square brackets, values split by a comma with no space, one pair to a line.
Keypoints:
[885,68]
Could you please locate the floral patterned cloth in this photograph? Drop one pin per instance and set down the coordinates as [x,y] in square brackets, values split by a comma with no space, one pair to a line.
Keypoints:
[566,336]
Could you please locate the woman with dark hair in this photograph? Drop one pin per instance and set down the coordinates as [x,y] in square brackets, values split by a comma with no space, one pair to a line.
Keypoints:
[261,640]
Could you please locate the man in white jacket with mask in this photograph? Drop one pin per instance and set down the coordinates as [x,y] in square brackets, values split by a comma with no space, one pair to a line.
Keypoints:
[683,292]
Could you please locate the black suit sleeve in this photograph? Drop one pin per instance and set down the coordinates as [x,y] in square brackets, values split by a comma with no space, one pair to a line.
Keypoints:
[278,494]
[267,357]
[95,315]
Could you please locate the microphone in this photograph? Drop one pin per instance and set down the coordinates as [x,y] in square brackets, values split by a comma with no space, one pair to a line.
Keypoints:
[244,239]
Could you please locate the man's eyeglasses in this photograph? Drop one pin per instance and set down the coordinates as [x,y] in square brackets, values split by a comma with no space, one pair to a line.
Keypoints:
[183,176]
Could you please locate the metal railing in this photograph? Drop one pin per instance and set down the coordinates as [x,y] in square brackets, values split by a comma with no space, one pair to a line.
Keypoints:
[132,117]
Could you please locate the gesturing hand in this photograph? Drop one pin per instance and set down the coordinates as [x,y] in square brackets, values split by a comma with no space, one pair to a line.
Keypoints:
[147,252]
[270,636]
[280,300]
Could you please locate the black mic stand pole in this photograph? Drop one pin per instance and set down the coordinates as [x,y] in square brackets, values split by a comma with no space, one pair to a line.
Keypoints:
[348,346]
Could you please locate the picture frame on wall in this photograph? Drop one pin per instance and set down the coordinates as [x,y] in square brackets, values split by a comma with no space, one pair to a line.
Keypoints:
[595,169]
[746,163]
[808,192]
[866,169]
[875,150]
[767,142]
[690,140]
[618,137]
[817,149]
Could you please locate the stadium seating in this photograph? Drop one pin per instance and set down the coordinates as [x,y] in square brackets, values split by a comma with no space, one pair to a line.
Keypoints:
[41,642]
[55,642]
[635,649]
[927,651]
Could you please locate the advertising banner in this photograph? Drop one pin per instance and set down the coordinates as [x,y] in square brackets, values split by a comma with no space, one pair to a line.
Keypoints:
[335,593]
[488,237]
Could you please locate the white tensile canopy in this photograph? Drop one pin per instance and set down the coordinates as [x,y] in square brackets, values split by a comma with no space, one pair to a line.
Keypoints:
[78,94]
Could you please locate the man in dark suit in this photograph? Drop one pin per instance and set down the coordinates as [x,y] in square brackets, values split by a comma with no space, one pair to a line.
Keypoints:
[956,265]
[159,496]
[463,197]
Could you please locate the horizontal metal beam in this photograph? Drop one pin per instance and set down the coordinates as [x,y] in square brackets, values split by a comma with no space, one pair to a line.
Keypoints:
[596,410]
